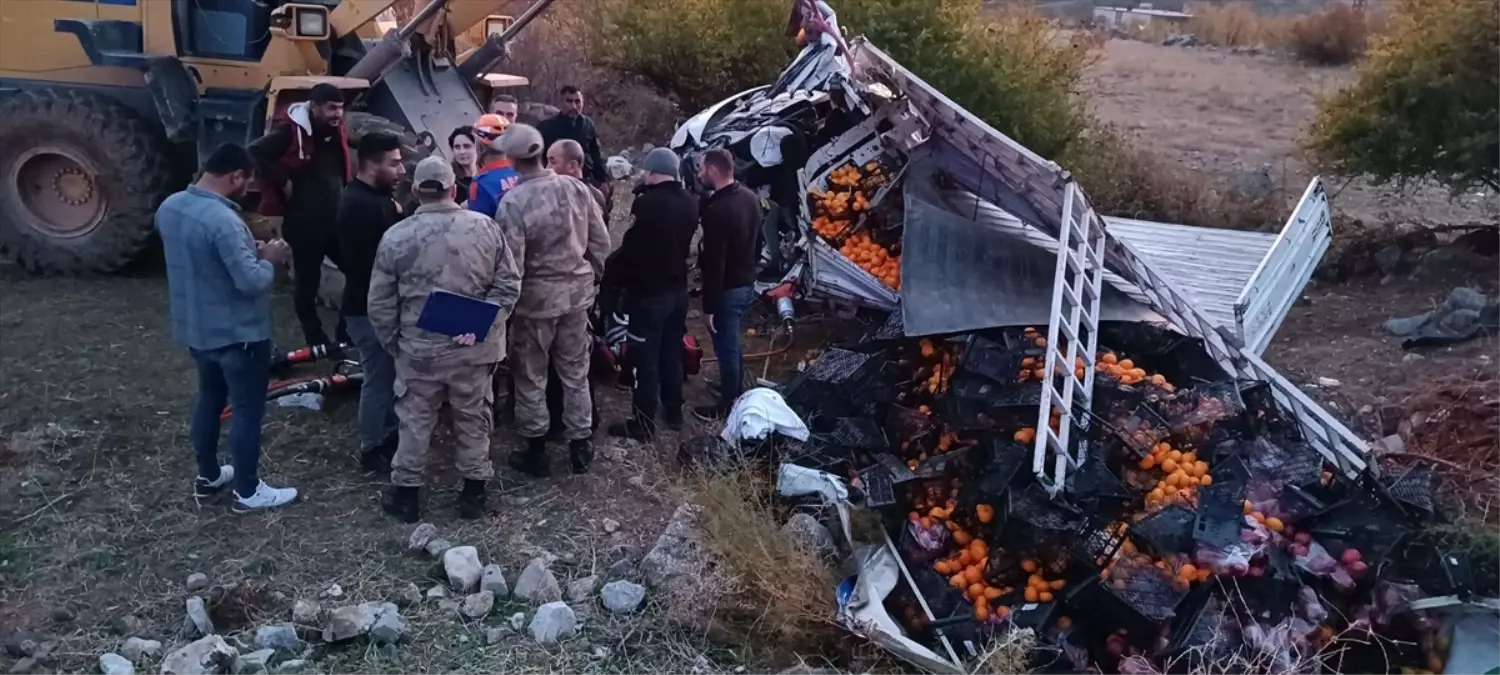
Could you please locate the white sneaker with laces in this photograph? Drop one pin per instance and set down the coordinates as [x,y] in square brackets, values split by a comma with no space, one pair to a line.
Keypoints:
[265,497]
[204,488]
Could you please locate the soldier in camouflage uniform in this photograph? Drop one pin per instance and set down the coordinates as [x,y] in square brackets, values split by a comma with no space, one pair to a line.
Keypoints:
[557,233]
[441,246]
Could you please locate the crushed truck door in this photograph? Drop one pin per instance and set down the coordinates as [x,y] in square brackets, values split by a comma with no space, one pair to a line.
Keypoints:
[1284,271]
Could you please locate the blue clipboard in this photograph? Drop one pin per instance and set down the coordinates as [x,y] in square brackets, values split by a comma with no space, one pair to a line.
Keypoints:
[451,314]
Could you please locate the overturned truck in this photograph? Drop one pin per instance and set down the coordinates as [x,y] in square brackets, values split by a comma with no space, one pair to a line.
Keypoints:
[1065,419]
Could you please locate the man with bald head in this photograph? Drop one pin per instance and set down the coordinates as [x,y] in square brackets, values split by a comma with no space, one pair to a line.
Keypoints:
[566,157]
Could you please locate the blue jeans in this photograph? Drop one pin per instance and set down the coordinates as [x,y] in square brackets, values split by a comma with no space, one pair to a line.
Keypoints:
[732,305]
[236,375]
[377,394]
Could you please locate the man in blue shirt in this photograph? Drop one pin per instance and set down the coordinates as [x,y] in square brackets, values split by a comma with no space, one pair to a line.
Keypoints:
[219,281]
[495,176]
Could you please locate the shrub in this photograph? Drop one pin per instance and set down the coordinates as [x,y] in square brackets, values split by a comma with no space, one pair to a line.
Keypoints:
[1236,25]
[1423,104]
[1124,180]
[1332,37]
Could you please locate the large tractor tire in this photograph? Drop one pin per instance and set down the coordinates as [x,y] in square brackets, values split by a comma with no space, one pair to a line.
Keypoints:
[357,124]
[80,179]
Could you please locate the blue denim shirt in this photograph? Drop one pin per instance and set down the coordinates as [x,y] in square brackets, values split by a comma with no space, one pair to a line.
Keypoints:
[220,289]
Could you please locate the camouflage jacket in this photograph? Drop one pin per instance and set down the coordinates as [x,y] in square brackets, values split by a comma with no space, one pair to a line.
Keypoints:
[557,233]
[440,246]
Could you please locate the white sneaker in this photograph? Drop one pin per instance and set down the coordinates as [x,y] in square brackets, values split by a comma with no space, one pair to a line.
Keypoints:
[204,488]
[265,497]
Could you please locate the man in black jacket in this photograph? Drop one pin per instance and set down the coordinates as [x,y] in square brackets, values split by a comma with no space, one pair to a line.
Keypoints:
[368,208]
[304,165]
[650,268]
[728,260]
[571,123]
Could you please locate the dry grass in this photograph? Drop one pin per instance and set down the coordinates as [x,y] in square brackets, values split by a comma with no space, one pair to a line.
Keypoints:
[769,593]
[1218,116]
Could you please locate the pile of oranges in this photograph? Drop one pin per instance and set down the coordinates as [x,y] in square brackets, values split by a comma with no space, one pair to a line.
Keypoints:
[1126,371]
[1183,473]
[835,210]
[1131,563]
[873,258]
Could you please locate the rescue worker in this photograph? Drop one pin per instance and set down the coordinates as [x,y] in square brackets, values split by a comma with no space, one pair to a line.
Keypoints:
[366,211]
[304,165]
[571,123]
[651,269]
[441,246]
[557,233]
[495,175]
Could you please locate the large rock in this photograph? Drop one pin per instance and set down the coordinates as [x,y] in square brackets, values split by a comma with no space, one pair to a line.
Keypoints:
[461,563]
[139,649]
[347,623]
[389,626]
[281,637]
[437,547]
[254,663]
[493,581]
[622,597]
[1403,326]
[1464,297]
[419,538]
[553,622]
[677,560]
[810,535]
[307,613]
[477,606]
[196,623]
[537,583]
[197,581]
[114,664]
[207,655]
[580,590]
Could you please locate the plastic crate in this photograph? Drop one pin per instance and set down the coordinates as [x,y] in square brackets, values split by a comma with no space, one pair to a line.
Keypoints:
[1140,431]
[1286,459]
[1199,633]
[1369,523]
[1193,413]
[1166,532]
[1438,571]
[1271,597]
[1220,515]
[835,382]
[880,480]
[1414,490]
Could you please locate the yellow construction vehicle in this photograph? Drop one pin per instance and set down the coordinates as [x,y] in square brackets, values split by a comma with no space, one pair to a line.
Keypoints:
[106,106]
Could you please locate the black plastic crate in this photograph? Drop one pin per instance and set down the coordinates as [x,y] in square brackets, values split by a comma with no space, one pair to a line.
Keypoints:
[991,485]
[1166,532]
[1285,458]
[1193,413]
[879,481]
[1095,544]
[1272,596]
[1199,634]
[891,329]
[1414,490]
[903,424]
[1425,562]
[1220,513]
[836,382]
[1368,523]
[1140,431]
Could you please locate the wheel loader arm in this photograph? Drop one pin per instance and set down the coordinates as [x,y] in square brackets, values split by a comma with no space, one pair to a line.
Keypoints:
[352,15]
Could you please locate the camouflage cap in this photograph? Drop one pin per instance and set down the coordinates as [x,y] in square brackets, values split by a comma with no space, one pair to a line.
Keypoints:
[521,141]
[433,176]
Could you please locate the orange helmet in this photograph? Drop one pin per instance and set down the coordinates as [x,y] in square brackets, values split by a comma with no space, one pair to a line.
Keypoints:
[489,127]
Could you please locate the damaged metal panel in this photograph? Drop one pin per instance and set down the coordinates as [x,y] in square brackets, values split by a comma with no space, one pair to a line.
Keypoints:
[1211,266]
[967,265]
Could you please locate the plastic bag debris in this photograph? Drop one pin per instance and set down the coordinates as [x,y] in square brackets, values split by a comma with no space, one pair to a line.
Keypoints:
[759,412]
[307,399]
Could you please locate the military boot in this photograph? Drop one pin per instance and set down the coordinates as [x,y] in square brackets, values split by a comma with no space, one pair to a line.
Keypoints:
[404,502]
[533,460]
[581,452]
[471,502]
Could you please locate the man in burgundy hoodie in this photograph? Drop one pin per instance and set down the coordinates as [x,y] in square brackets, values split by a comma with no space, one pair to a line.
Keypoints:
[304,165]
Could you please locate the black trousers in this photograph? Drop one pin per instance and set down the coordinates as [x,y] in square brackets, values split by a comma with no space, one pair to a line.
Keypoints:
[657,324]
[310,244]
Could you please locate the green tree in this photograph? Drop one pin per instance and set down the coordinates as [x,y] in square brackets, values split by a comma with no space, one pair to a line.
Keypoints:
[1426,101]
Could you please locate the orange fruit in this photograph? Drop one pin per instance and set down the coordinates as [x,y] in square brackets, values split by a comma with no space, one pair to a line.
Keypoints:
[1274,524]
[973,575]
[991,593]
[1109,357]
[1032,594]
[1169,466]
[1248,507]
[1174,455]
[1206,480]
[1064,623]
[1057,584]
[1127,364]
[1148,463]
[1187,571]
[1028,565]
[1044,596]
[976,591]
